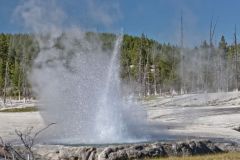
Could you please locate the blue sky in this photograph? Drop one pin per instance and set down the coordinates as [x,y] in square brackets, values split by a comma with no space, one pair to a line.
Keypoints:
[158,19]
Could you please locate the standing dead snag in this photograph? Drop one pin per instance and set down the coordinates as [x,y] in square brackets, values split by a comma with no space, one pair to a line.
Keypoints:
[182,67]
[140,69]
[28,140]
[7,151]
[5,83]
[3,150]
[236,58]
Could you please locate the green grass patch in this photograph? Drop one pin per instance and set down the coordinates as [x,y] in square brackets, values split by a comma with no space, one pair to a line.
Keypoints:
[224,156]
[149,98]
[23,109]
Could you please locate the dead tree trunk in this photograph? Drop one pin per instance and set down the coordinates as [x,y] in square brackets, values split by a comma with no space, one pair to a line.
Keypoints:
[140,70]
[182,59]
[211,35]
[129,72]
[154,72]
[19,86]
[147,76]
[236,59]
[24,78]
[145,79]
[5,83]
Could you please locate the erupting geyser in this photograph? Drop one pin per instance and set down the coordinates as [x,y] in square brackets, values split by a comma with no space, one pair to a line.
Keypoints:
[79,89]
[77,82]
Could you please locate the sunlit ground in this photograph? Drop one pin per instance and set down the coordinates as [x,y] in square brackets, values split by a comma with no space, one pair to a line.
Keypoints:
[225,156]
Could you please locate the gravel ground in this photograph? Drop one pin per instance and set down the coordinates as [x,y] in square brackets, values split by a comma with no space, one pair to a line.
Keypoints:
[9,122]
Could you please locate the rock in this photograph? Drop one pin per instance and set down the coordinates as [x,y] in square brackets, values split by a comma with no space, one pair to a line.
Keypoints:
[138,147]
[202,148]
[119,155]
[135,151]
[86,152]
[213,147]
[237,128]
[182,149]
[104,154]
[73,158]
[92,155]
[168,149]
[134,154]
[229,147]
[157,152]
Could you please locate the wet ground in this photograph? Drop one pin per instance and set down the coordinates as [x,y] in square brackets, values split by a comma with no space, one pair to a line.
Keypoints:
[195,116]
[178,117]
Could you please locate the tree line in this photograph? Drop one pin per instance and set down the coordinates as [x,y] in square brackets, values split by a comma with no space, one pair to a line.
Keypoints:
[159,68]
[148,66]
[16,56]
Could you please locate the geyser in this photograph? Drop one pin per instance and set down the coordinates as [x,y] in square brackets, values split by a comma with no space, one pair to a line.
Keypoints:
[79,89]
[77,82]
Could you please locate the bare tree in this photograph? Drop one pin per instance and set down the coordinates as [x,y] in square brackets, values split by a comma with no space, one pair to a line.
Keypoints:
[182,58]
[212,32]
[236,58]
[140,68]
[27,138]
[129,72]
[181,29]
[154,70]
[5,83]
[147,76]
[19,86]
[211,36]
